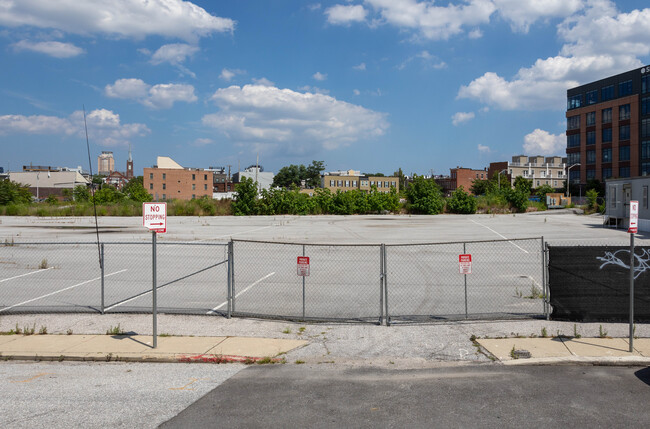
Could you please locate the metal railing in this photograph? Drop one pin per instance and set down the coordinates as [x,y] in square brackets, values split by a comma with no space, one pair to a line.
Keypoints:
[379,283]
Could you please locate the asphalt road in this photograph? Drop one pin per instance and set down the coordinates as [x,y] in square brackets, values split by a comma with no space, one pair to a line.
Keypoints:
[489,396]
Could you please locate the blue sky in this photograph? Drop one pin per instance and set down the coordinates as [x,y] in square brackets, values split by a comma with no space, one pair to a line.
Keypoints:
[370,85]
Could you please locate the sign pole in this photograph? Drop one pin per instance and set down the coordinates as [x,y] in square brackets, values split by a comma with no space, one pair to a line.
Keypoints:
[632,293]
[465,252]
[303,288]
[155,306]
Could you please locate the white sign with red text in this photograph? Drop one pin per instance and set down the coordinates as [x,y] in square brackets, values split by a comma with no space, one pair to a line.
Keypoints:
[634,217]
[154,216]
[465,264]
[303,266]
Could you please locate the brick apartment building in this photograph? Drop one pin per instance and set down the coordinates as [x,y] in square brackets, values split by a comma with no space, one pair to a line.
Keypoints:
[608,127]
[540,170]
[168,180]
[458,177]
[351,179]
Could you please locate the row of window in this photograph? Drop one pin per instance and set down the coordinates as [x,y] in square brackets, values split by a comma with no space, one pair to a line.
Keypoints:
[164,176]
[164,186]
[606,133]
[353,183]
[606,93]
[573,122]
[542,174]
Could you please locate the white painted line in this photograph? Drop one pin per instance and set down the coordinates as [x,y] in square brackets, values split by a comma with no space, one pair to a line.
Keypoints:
[245,289]
[59,291]
[502,236]
[23,275]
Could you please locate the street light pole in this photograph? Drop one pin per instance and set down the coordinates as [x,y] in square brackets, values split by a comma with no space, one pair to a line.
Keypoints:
[499,178]
[568,183]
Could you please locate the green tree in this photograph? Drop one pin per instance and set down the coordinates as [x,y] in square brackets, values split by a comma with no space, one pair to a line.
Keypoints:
[424,196]
[245,200]
[14,193]
[81,193]
[313,172]
[288,176]
[134,190]
[108,195]
[461,202]
[541,191]
[523,185]
[592,198]
[402,178]
[480,186]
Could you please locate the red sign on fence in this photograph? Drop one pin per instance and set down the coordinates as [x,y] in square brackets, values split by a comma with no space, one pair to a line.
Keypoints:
[303,266]
[465,264]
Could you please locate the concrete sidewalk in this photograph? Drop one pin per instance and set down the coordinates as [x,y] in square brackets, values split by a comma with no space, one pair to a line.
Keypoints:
[568,350]
[138,348]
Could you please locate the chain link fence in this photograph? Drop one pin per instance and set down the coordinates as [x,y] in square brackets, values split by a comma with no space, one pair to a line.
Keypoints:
[358,283]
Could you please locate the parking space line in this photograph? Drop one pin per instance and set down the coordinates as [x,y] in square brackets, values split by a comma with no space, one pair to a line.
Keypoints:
[500,235]
[23,275]
[245,289]
[59,291]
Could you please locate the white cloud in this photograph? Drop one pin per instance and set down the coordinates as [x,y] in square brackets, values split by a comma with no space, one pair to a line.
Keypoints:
[282,119]
[104,126]
[202,142]
[426,59]
[125,18]
[53,49]
[228,74]
[175,53]
[475,34]
[314,89]
[161,96]
[320,76]
[541,142]
[483,149]
[461,117]
[430,21]
[263,82]
[523,13]
[356,92]
[360,67]
[344,15]
[599,41]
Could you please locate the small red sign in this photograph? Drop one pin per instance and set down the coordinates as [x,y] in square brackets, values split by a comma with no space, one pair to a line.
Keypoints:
[634,217]
[465,264]
[303,266]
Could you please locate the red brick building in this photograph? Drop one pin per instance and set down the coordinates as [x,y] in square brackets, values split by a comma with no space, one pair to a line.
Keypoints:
[169,181]
[458,177]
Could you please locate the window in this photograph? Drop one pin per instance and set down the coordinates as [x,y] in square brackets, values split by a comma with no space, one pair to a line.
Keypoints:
[393,184]
[607,155]
[612,196]
[607,135]
[591,137]
[193,176]
[150,176]
[591,118]
[607,93]
[624,172]
[347,183]
[645,84]
[573,140]
[574,175]
[386,183]
[623,112]
[591,157]
[607,116]
[607,173]
[538,183]
[205,187]
[573,122]
[164,197]
[555,183]
[645,149]
[591,174]
[645,168]
[592,97]
[164,185]
[574,102]
[379,184]
[354,183]
[164,176]
[625,88]
[572,158]
[193,186]
[339,183]
[645,128]
[645,197]
[645,106]
[193,196]
[150,185]
[331,183]
[624,153]
[624,132]
[205,177]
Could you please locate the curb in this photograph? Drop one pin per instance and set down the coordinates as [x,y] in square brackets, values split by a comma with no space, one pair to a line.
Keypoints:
[215,359]
[581,360]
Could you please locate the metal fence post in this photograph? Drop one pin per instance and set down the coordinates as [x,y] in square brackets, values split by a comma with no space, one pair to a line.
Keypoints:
[547,290]
[381,286]
[303,288]
[383,251]
[154,291]
[232,276]
[102,267]
[464,253]
[543,277]
[229,281]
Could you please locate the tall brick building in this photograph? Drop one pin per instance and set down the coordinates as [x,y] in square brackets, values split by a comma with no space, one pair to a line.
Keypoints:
[167,180]
[608,127]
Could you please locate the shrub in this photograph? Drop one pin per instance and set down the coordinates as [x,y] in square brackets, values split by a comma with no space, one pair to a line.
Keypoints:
[592,198]
[424,196]
[461,202]
[245,198]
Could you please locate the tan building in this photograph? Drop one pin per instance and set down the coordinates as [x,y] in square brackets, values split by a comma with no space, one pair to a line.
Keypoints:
[105,163]
[168,180]
[351,179]
[550,170]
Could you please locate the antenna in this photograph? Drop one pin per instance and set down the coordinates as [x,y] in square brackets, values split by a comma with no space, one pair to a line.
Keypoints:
[92,188]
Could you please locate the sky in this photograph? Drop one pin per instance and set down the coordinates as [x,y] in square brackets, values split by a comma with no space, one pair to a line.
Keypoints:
[369,85]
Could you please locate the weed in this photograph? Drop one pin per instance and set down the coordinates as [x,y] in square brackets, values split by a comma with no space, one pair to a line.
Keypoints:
[286,331]
[164,335]
[61,358]
[473,338]
[512,353]
[391,362]
[109,357]
[544,333]
[29,331]
[300,362]
[265,360]
[575,332]
[301,329]
[518,293]
[634,331]
[248,361]
[115,330]
[69,332]
[17,331]
[43,264]
[601,332]
[43,330]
